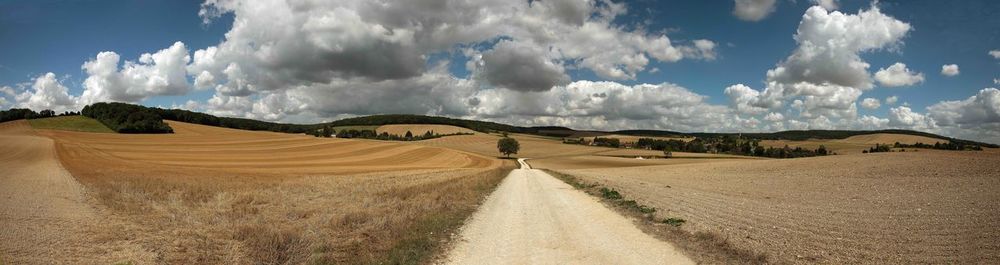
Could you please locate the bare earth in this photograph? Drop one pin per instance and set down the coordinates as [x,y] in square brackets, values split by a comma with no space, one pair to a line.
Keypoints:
[903,208]
[533,218]
[45,216]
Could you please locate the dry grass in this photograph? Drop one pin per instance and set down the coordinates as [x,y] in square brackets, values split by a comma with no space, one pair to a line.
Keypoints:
[361,219]
[420,129]
[924,207]
[217,196]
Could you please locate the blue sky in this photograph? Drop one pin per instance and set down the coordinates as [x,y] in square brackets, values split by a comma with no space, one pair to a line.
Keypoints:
[60,36]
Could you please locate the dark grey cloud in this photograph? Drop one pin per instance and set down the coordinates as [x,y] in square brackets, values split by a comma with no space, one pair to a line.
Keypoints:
[521,67]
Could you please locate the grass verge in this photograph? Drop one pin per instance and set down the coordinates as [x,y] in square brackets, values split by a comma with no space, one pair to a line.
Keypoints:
[703,247]
[70,123]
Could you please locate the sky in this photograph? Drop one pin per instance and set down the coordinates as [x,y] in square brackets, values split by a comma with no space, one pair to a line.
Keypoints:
[691,66]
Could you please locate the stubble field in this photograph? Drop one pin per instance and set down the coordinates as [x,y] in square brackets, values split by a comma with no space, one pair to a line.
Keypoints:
[922,207]
[420,129]
[213,195]
[853,144]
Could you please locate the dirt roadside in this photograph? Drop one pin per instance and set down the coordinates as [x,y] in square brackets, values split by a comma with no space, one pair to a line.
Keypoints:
[44,214]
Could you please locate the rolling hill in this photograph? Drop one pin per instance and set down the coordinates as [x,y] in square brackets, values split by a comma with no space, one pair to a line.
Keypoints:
[486,126]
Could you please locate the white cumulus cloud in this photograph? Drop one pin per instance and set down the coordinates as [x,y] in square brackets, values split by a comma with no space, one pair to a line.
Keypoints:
[160,73]
[891,100]
[949,70]
[898,75]
[47,92]
[753,10]
[825,75]
[870,103]
[904,117]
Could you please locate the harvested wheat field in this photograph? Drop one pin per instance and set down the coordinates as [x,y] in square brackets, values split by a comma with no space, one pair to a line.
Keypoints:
[923,207]
[656,153]
[634,138]
[207,195]
[531,146]
[211,150]
[853,144]
[420,129]
[603,161]
[46,215]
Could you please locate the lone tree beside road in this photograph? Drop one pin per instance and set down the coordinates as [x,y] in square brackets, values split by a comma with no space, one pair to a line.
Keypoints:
[508,146]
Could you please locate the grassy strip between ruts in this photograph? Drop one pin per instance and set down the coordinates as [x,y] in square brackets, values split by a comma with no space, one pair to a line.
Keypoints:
[70,123]
[703,247]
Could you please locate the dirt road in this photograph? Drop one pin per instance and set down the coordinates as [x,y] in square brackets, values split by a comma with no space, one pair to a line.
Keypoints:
[44,217]
[533,218]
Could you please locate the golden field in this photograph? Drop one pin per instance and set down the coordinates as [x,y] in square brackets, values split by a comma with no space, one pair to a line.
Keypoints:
[213,195]
[420,129]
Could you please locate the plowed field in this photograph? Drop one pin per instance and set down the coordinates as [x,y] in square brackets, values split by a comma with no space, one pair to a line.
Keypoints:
[902,208]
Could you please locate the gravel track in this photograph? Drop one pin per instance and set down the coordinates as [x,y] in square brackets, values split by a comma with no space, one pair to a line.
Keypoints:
[533,218]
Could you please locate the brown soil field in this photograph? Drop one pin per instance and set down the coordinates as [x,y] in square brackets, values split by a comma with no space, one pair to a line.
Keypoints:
[420,129]
[656,153]
[207,195]
[901,208]
[600,161]
[853,144]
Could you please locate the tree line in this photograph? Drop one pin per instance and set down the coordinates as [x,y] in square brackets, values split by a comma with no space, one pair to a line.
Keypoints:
[729,145]
[329,131]
[955,146]
[27,114]
[233,123]
[480,126]
[952,146]
[127,118]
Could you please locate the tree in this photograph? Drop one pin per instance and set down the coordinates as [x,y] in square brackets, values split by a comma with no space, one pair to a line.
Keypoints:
[327,131]
[46,113]
[508,146]
[822,150]
[409,135]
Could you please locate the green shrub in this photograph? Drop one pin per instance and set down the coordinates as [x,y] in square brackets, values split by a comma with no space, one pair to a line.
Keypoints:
[610,194]
[631,204]
[674,221]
